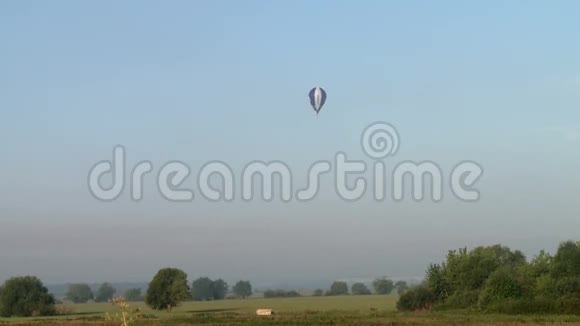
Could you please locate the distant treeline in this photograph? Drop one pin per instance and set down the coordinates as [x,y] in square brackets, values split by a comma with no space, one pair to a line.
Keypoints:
[27,296]
[280,294]
[380,286]
[488,279]
[497,279]
[59,290]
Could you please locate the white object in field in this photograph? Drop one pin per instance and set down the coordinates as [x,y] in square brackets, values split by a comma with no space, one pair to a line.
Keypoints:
[264,312]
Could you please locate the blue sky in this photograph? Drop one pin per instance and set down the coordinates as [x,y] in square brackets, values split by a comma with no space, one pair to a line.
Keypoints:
[495,82]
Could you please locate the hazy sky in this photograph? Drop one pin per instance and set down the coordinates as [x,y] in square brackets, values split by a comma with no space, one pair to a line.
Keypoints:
[494,82]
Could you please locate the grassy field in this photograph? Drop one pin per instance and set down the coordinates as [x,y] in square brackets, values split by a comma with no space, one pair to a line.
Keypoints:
[340,310]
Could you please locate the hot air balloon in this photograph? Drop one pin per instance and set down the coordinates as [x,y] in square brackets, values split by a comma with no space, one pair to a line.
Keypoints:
[317,98]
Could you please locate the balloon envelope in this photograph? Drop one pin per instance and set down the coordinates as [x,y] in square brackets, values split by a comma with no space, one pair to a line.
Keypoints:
[317,97]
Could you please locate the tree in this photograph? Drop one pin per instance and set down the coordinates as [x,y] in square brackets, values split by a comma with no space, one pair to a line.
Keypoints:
[383,285]
[25,296]
[401,287]
[167,289]
[566,262]
[79,293]
[220,289]
[497,279]
[504,283]
[467,271]
[338,288]
[437,282]
[541,264]
[105,293]
[318,293]
[360,289]
[202,289]
[133,295]
[243,289]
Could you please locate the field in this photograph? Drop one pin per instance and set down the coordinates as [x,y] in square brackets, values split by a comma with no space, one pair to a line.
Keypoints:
[339,310]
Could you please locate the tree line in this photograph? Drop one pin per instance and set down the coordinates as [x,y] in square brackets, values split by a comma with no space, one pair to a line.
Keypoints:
[381,286]
[497,279]
[27,296]
[166,290]
[489,279]
[82,293]
[169,287]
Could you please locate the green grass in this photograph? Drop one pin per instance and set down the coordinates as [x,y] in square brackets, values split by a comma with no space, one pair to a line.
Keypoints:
[340,310]
[300,304]
[247,306]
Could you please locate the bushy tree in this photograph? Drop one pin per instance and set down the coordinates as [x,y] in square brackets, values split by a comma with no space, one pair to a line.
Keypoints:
[437,282]
[401,287]
[541,264]
[338,288]
[417,298]
[242,289]
[566,286]
[202,289]
[359,289]
[79,293]
[458,281]
[25,296]
[497,279]
[466,271]
[167,289]
[105,293]
[220,289]
[133,295]
[504,283]
[383,285]
[318,293]
[566,262]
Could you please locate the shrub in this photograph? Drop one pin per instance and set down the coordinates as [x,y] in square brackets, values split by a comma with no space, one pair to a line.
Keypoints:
[127,316]
[497,279]
[569,304]
[25,296]
[63,310]
[459,300]
[503,283]
[566,286]
[416,298]
[539,305]
[437,282]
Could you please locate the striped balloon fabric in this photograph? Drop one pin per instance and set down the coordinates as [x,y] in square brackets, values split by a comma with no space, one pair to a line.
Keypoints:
[317,97]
